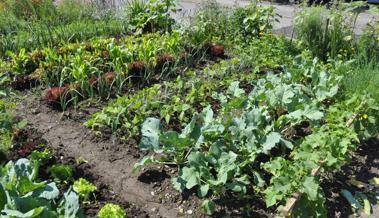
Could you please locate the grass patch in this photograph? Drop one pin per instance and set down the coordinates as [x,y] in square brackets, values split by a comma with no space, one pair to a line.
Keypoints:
[364,79]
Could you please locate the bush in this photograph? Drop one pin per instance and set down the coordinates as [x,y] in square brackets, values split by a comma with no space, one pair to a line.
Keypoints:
[70,11]
[252,21]
[215,23]
[325,32]
[150,15]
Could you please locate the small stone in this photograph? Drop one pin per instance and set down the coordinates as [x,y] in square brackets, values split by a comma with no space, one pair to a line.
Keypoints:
[189,212]
[152,193]
[153,209]
[181,210]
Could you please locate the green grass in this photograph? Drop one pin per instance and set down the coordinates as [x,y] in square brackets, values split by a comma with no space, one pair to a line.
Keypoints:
[364,79]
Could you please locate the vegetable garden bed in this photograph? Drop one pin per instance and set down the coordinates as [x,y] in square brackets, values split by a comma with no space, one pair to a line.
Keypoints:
[219,118]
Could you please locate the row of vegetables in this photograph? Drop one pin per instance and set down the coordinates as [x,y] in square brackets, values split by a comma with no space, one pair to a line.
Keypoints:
[252,134]
[243,127]
[102,66]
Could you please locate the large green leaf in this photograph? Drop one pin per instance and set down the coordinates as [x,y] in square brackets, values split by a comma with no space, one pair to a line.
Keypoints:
[272,139]
[71,204]
[150,135]
[28,203]
[172,138]
[191,176]
[30,214]
[49,192]
[24,185]
[23,167]
[310,187]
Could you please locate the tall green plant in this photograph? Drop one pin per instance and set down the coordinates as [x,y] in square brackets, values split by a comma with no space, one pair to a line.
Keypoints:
[326,33]
[150,15]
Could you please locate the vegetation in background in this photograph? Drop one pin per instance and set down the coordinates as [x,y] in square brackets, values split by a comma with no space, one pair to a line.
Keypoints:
[150,15]
[326,33]
[367,46]
[363,79]
[215,23]
[32,24]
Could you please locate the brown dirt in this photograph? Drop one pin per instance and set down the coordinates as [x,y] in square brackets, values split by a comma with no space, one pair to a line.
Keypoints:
[363,167]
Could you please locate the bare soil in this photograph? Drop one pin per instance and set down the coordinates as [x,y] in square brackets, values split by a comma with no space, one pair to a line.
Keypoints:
[110,162]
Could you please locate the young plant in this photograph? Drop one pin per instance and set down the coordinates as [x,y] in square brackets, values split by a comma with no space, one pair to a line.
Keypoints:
[111,211]
[61,173]
[84,188]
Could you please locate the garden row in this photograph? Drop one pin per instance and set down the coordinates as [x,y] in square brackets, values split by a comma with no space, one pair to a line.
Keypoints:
[239,112]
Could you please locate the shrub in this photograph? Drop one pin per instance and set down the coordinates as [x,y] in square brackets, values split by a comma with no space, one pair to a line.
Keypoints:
[111,211]
[210,23]
[252,21]
[363,79]
[214,23]
[70,11]
[150,15]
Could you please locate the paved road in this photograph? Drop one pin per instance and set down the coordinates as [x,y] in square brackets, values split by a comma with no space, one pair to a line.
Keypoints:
[286,13]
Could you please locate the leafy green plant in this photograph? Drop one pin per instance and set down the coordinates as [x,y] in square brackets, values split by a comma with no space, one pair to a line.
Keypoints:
[252,21]
[150,15]
[111,211]
[22,195]
[41,157]
[221,153]
[61,173]
[9,127]
[84,188]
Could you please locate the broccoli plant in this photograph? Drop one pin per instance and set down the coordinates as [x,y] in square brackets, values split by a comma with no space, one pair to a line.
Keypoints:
[22,195]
